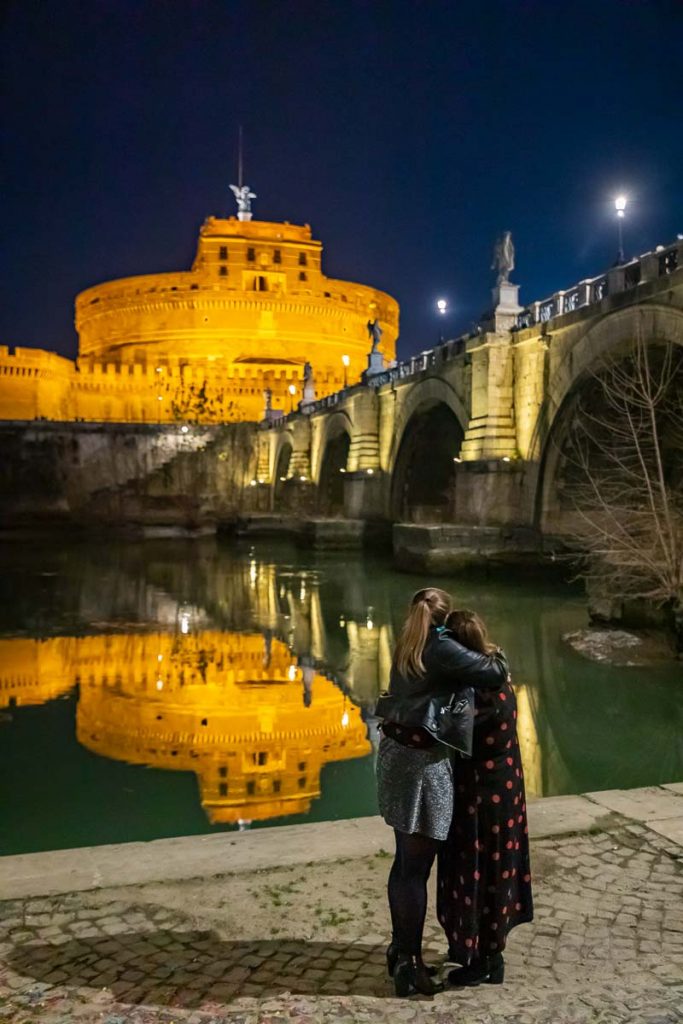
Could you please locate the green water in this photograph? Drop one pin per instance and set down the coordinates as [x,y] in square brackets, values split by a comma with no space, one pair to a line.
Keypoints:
[583,726]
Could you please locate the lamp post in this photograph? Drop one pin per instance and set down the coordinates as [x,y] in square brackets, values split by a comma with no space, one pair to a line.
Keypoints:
[292,392]
[346,360]
[620,207]
[442,307]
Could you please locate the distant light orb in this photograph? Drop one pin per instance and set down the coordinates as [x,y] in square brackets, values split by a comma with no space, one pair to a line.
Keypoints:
[184,429]
[292,389]
[346,360]
[442,306]
[620,205]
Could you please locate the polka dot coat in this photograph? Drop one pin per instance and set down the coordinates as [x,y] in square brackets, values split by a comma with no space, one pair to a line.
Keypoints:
[484,883]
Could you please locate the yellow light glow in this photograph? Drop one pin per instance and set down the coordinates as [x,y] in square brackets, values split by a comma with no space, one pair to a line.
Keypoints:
[118,381]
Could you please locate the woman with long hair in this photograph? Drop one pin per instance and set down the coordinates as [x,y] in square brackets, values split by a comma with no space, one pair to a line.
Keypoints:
[415,775]
[484,878]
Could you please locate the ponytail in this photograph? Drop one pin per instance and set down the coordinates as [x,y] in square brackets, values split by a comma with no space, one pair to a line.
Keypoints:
[428,608]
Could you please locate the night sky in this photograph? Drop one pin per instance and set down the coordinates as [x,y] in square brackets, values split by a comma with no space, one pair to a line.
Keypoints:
[407,134]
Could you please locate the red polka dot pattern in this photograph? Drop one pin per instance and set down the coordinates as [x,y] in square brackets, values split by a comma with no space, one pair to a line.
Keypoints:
[489,837]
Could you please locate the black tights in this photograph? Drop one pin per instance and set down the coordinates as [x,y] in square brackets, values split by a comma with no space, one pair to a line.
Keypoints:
[408,889]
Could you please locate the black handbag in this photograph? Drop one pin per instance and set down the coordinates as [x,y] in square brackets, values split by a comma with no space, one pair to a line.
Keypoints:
[449,718]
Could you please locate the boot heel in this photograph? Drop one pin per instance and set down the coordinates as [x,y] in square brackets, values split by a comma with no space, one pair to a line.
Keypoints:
[497,975]
[404,979]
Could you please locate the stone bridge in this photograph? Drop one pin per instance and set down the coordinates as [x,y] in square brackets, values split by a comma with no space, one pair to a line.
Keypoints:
[466,439]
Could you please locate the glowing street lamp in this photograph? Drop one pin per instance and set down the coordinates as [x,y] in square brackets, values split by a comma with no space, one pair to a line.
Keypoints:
[442,309]
[292,392]
[620,207]
[346,360]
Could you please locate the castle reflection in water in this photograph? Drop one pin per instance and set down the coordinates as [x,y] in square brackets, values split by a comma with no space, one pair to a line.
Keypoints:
[249,709]
[235,708]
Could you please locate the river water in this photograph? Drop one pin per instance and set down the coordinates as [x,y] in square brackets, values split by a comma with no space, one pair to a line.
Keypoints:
[173,688]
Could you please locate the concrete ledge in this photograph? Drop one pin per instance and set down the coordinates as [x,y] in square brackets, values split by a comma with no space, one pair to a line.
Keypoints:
[97,867]
[659,808]
[563,815]
[650,803]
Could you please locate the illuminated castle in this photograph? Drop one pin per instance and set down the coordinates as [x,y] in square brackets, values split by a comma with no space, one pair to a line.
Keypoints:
[203,345]
[231,707]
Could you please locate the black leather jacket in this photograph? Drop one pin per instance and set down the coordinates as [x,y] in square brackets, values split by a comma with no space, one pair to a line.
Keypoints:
[448,666]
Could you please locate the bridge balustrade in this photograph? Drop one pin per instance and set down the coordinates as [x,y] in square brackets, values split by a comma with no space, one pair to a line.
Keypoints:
[663,261]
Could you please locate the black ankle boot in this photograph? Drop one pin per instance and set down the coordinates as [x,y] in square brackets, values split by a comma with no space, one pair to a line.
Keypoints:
[392,959]
[488,970]
[412,976]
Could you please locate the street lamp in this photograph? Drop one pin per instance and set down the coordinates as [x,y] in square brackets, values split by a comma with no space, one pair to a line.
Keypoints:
[346,360]
[292,392]
[620,207]
[442,307]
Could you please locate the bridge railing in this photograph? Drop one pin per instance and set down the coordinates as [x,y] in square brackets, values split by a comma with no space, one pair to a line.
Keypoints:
[663,260]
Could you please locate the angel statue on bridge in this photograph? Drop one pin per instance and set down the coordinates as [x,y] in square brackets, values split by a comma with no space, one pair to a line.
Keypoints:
[375,332]
[503,257]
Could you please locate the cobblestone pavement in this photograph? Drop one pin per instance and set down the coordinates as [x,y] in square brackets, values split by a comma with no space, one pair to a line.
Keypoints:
[305,945]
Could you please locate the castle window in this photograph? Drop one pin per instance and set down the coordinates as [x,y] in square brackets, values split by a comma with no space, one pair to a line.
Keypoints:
[303,276]
[223,789]
[251,254]
[303,259]
[261,284]
[223,252]
[251,788]
[222,271]
[302,766]
[277,785]
[277,256]
[302,782]
[223,772]
[194,287]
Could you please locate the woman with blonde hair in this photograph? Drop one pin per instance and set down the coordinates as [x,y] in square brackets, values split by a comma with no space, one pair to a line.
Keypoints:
[415,773]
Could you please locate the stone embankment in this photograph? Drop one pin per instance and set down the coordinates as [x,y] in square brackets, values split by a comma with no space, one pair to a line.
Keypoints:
[290,924]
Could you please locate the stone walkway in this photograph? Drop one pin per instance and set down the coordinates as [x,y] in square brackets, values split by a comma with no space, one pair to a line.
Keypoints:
[305,943]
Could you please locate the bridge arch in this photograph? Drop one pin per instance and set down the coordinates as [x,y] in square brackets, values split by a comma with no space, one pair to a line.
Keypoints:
[430,427]
[332,460]
[611,338]
[281,465]
[612,334]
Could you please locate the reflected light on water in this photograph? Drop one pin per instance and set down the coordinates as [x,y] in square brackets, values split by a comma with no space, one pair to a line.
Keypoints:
[255,737]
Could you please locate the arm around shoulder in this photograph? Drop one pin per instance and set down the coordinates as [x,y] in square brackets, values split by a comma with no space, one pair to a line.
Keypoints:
[470,667]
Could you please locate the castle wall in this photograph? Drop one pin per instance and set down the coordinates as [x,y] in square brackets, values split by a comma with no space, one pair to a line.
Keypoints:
[201,346]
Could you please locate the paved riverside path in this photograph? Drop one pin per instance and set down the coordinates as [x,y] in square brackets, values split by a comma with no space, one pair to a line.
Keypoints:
[138,934]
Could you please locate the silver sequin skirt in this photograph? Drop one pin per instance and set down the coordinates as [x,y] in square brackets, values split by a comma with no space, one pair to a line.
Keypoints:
[415,788]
